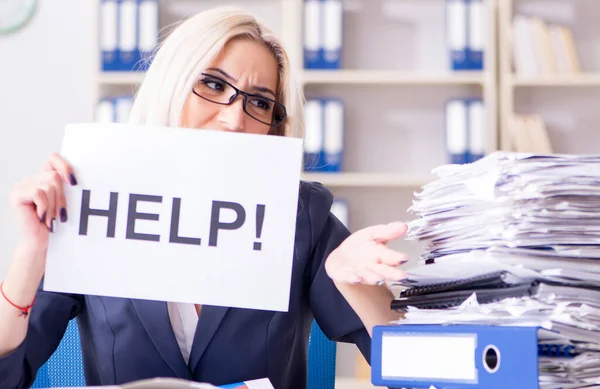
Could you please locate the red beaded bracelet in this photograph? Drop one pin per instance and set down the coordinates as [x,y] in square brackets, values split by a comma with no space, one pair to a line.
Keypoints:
[24,310]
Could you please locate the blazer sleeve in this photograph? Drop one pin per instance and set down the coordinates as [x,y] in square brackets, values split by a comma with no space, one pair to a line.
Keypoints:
[48,322]
[333,314]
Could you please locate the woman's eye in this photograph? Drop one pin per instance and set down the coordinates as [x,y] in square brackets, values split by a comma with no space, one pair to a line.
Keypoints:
[262,103]
[215,85]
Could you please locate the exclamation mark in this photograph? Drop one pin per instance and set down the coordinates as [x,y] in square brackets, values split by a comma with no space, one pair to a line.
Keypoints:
[260,217]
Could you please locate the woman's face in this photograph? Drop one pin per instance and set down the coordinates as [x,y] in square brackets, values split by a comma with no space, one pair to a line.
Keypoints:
[248,66]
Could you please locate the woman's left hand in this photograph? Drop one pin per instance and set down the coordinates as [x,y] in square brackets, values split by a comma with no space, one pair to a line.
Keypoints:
[364,258]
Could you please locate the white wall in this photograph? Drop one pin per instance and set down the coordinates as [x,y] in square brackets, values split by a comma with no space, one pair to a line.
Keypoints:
[45,82]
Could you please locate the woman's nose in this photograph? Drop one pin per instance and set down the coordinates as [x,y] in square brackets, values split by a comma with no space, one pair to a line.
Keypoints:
[231,117]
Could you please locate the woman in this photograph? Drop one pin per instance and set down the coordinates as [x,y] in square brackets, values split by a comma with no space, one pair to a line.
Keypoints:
[219,70]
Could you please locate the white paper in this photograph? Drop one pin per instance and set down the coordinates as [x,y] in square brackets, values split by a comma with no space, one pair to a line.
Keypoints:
[261,383]
[431,356]
[198,167]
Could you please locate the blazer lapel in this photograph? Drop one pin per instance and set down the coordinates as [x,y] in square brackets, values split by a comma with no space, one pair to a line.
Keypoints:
[155,319]
[208,324]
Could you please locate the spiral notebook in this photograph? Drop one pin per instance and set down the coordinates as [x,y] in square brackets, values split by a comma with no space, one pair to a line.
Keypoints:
[496,279]
[489,287]
[454,298]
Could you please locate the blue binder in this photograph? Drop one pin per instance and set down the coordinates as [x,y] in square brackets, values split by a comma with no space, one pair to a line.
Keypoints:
[332,29]
[454,356]
[456,134]
[128,35]
[109,35]
[313,35]
[332,153]
[313,135]
[148,30]
[457,34]
[340,208]
[476,129]
[475,34]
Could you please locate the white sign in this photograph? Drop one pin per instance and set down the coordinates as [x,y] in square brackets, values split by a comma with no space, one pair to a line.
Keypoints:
[198,216]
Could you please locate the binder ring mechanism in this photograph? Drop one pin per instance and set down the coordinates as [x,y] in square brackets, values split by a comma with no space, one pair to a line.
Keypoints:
[491,358]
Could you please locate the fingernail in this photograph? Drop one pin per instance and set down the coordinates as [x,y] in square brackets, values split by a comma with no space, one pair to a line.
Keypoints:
[357,280]
[380,282]
[43,217]
[52,225]
[72,179]
[63,214]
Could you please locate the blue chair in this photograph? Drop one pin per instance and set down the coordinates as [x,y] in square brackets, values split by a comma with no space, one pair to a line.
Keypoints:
[65,367]
[321,360]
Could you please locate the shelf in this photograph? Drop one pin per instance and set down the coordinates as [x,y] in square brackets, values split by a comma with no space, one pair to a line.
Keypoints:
[353,383]
[351,77]
[368,179]
[120,78]
[390,77]
[589,79]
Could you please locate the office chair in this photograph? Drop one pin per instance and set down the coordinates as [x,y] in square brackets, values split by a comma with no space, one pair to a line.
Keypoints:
[65,367]
[321,360]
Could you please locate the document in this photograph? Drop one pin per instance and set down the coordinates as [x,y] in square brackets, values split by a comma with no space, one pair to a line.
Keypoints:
[514,240]
[181,215]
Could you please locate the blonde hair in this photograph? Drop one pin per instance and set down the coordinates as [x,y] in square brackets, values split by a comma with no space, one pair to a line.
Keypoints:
[189,49]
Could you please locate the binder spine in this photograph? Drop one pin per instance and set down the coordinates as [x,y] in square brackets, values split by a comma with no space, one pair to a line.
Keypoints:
[128,49]
[477,130]
[456,32]
[333,145]
[123,106]
[108,37]
[456,131]
[332,28]
[105,111]
[148,29]
[313,136]
[482,357]
[340,209]
[313,37]
[476,34]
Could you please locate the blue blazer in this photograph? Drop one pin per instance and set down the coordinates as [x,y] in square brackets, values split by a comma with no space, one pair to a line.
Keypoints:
[131,339]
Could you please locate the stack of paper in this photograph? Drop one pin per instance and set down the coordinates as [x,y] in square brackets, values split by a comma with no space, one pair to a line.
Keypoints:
[514,239]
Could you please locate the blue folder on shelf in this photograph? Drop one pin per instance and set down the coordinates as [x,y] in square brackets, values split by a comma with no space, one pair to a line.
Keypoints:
[323,34]
[476,34]
[455,356]
[465,31]
[465,130]
[128,32]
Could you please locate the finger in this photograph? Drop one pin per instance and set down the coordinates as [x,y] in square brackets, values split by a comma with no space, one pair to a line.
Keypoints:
[51,210]
[55,180]
[58,163]
[346,275]
[388,273]
[384,232]
[40,200]
[390,257]
[370,277]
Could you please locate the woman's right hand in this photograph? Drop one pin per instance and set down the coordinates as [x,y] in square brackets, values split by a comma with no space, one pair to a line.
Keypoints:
[39,202]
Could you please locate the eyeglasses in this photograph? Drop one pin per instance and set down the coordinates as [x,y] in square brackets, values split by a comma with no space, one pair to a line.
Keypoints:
[219,91]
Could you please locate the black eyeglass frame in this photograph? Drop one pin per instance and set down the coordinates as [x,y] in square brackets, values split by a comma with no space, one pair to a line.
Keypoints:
[245,95]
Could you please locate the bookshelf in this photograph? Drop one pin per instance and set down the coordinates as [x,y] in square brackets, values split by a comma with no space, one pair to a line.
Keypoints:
[563,97]
[394,81]
[388,78]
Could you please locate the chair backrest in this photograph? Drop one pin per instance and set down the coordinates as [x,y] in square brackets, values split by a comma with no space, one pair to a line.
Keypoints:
[321,360]
[65,367]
